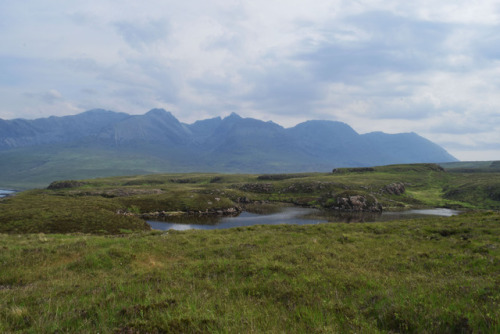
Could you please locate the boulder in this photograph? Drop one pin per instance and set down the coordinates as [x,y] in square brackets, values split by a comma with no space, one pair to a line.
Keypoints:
[243,200]
[258,187]
[358,203]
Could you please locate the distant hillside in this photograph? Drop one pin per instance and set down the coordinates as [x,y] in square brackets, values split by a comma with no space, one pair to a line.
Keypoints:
[25,133]
[472,166]
[103,143]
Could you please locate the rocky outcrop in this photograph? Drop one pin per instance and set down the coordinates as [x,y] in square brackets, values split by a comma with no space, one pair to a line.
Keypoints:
[359,203]
[234,211]
[243,200]
[117,192]
[279,177]
[397,188]
[309,187]
[353,170]
[65,184]
[258,187]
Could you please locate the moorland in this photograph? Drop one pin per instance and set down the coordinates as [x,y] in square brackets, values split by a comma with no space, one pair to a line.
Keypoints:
[79,257]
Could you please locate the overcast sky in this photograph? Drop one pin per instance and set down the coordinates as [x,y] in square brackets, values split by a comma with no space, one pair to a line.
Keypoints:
[431,67]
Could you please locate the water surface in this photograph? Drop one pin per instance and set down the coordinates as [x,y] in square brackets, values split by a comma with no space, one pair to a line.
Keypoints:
[292,215]
[4,192]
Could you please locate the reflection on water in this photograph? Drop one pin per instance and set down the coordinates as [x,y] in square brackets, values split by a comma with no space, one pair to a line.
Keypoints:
[292,215]
[412,214]
[286,216]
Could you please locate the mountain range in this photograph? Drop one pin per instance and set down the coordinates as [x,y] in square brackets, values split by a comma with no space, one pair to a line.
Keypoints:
[102,143]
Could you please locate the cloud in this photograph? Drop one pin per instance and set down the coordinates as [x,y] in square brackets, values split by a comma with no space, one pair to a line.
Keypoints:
[486,45]
[373,43]
[423,66]
[226,41]
[282,88]
[142,34]
[51,96]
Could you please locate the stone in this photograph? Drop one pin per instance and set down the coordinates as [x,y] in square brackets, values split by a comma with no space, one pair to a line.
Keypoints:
[359,203]
[243,200]
[397,188]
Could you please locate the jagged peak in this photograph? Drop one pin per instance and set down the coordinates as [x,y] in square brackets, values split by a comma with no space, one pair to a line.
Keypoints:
[233,115]
[213,119]
[158,112]
[236,120]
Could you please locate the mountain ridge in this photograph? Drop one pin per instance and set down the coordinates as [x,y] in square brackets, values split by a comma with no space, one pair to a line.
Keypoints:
[229,144]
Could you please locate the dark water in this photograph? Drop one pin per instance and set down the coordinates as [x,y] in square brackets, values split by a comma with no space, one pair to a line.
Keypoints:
[291,215]
[4,193]
[286,216]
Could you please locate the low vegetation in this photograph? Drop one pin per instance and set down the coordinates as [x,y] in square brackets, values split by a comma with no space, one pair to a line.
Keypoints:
[437,275]
[91,206]
[77,257]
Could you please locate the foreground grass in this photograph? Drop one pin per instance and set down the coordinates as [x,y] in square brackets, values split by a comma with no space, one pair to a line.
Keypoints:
[438,275]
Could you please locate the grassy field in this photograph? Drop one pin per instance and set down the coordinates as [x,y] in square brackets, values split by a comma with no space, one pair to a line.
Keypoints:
[72,261]
[438,275]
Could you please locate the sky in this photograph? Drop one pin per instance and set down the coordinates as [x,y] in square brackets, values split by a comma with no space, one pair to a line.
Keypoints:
[430,67]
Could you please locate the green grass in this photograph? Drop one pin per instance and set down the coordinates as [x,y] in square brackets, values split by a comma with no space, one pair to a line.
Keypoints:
[70,263]
[91,205]
[438,275]
[35,211]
